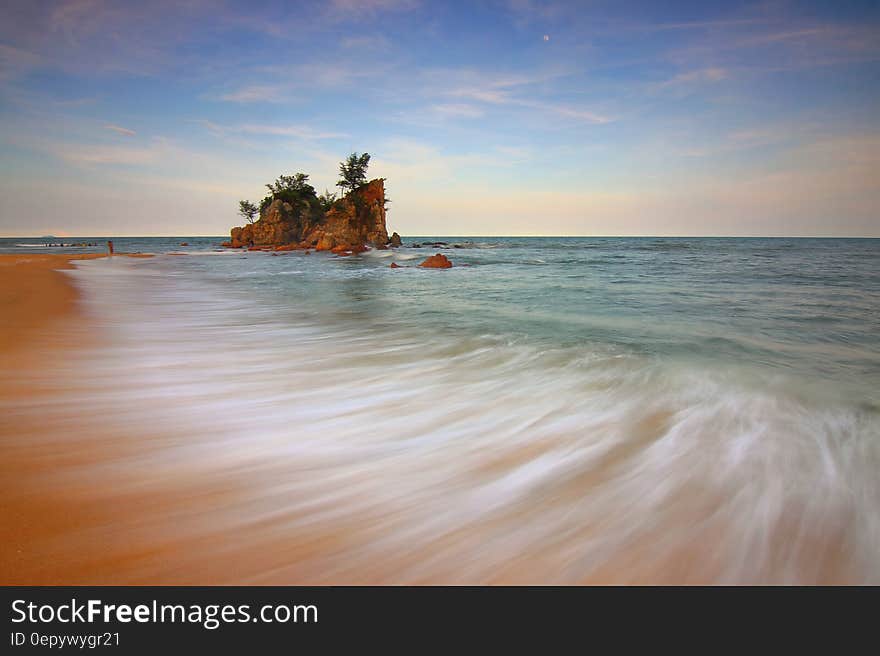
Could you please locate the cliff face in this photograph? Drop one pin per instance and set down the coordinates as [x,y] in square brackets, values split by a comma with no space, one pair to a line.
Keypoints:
[279,223]
[353,221]
[357,219]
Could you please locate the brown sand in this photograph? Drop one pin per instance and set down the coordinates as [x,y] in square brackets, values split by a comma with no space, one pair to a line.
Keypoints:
[60,527]
[33,294]
[36,299]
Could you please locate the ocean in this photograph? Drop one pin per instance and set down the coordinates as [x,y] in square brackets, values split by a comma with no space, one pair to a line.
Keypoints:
[549,410]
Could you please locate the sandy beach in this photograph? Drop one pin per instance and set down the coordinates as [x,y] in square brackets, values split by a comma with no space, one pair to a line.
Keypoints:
[181,420]
[39,511]
[80,508]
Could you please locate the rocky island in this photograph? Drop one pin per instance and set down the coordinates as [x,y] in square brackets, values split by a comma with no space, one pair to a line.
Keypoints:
[293,216]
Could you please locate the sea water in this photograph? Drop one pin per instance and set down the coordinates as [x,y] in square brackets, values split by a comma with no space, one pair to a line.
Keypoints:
[549,410]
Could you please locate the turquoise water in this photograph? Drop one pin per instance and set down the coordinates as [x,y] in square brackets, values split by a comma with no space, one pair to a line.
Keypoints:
[635,409]
[806,307]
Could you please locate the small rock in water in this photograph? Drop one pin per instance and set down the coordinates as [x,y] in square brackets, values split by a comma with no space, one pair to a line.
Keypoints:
[394,265]
[438,261]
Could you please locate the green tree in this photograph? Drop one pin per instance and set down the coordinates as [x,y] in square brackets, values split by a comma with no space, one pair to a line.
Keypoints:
[327,199]
[297,184]
[353,171]
[294,189]
[247,210]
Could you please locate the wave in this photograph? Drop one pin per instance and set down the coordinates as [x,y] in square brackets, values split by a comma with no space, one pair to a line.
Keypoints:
[423,455]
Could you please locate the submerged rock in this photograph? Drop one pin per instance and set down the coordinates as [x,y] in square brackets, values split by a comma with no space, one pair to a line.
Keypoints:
[438,261]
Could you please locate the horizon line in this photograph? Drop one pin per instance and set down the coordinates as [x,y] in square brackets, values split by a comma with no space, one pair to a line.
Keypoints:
[475,236]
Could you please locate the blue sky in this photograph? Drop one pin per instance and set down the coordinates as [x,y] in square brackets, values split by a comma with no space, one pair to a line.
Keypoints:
[487,118]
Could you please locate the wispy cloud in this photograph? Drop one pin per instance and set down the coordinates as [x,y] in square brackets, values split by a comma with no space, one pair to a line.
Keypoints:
[567,111]
[696,94]
[523,91]
[297,131]
[782,44]
[559,109]
[697,25]
[691,80]
[118,129]
[456,110]
[302,81]
[359,7]
[272,93]
[214,128]
[14,61]
[97,154]
[528,12]
[303,132]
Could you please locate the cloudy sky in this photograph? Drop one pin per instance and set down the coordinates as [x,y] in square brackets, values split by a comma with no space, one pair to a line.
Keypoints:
[513,117]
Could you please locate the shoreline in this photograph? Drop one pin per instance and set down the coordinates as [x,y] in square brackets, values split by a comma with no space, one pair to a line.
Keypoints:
[35,292]
[134,454]
[41,305]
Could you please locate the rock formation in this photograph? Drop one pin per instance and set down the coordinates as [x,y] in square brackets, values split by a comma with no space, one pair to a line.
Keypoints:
[394,242]
[438,261]
[348,226]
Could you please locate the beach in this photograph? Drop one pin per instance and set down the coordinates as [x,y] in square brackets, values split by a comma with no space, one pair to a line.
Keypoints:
[208,417]
[42,325]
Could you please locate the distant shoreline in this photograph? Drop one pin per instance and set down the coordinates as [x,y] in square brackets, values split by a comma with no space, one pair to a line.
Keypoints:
[424,236]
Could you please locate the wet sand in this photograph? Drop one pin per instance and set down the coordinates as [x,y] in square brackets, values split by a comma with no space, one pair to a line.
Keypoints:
[79,508]
[38,513]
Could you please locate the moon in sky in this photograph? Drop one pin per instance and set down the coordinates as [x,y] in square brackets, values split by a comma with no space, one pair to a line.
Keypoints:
[546,37]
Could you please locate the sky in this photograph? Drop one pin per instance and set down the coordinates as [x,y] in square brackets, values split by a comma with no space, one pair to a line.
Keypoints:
[508,117]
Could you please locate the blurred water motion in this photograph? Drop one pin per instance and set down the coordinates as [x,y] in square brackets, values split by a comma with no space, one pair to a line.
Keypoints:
[285,420]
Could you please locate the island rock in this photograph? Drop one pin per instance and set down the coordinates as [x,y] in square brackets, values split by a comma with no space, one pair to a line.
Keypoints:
[438,261]
[350,224]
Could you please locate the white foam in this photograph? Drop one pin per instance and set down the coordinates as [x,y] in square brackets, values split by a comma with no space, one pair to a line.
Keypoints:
[457,458]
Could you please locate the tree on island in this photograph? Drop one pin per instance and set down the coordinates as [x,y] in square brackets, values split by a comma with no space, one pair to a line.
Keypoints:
[294,189]
[327,199]
[298,184]
[353,172]
[247,210]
